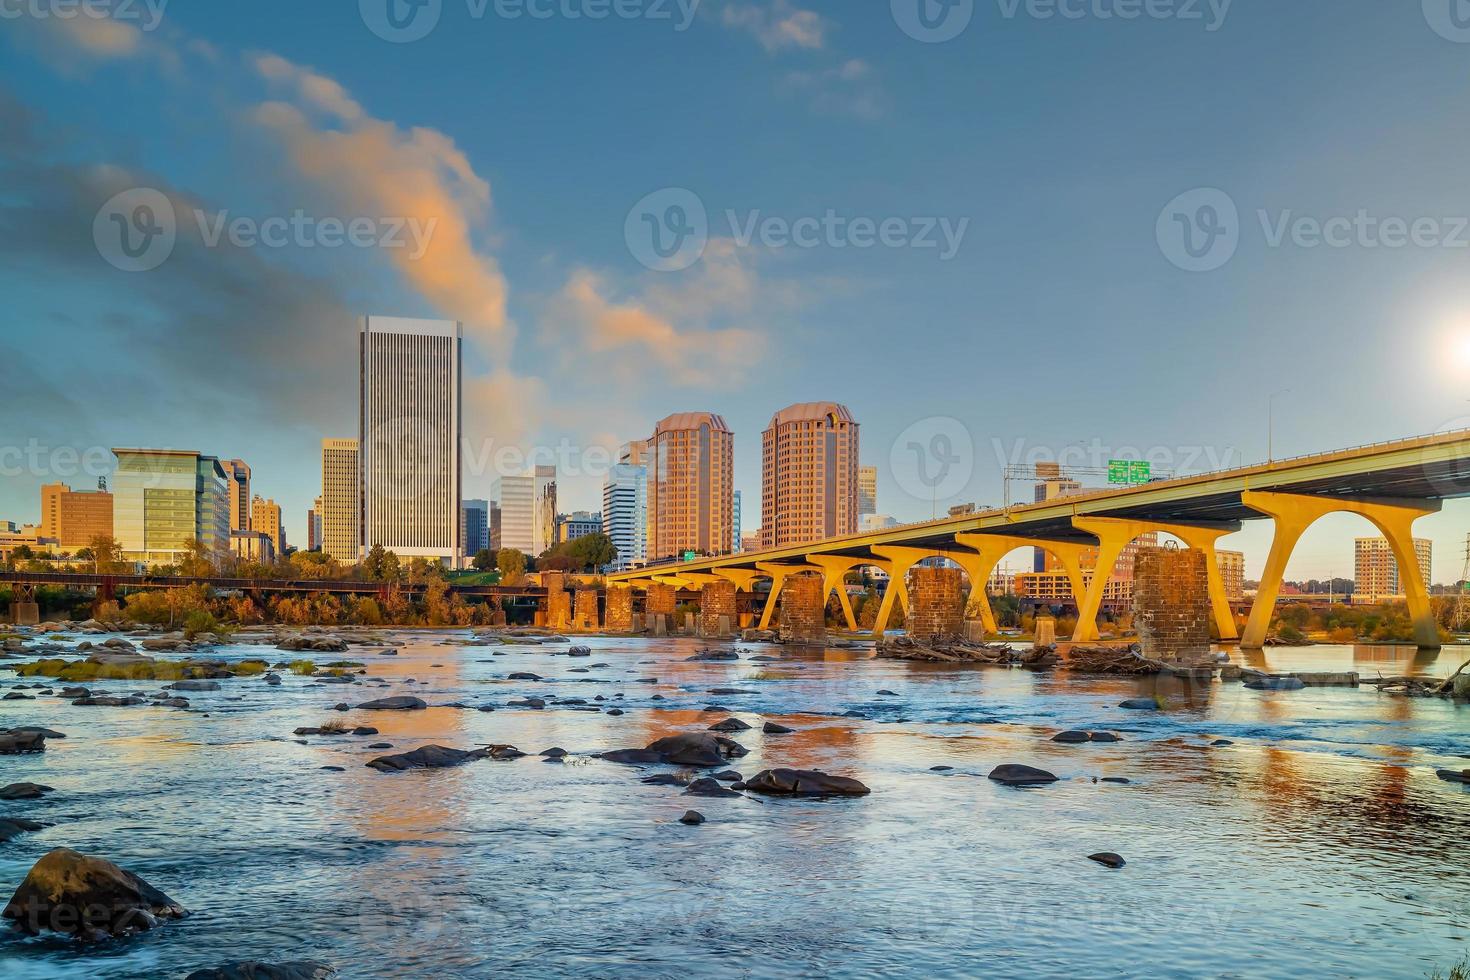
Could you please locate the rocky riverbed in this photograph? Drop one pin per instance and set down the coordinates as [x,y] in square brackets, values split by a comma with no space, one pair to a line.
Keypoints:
[459,804]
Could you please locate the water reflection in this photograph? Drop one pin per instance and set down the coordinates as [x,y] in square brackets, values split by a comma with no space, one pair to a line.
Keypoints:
[1320,825]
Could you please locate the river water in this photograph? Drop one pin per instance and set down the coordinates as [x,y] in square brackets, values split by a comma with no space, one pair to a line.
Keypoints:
[1319,843]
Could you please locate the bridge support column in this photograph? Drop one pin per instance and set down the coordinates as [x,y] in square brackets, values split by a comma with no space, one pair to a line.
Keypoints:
[898,560]
[662,601]
[834,576]
[778,574]
[619,613]
[25,613]
[804,609]
[1115,534]
[991,548]
[1294,513]
[717,608]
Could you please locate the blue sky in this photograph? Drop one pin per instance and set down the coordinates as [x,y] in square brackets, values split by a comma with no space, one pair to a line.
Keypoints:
[1061,319]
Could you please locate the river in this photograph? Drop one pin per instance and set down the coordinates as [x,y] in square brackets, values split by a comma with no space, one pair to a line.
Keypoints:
[1319,843]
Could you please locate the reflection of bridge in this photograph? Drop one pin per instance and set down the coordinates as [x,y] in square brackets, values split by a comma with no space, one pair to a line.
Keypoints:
[108,585]
[1391,484]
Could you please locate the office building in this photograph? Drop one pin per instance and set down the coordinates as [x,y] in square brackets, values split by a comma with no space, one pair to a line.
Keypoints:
[570,527]
[166,499]
[341,509]
[876,522]
[314,526]
[265,517]
[409,436]
[691,466]
[237,475]
[527,509]
[867,490]
[1232,573]
[1051,483]
[809,474]
[625,513]
[475,529]
[73,518]
[1376,572]
[255,546]
[735,545]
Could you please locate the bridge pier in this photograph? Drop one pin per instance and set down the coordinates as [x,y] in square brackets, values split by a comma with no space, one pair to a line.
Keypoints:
[584,615]
[991,548]
[717,612]
[663,601]
[1292,514]
[938,604]
[619,613]
[25,613]
[834,576]
[804,610]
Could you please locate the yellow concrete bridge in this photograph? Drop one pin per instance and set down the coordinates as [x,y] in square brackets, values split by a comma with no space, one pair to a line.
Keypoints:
[1392,484]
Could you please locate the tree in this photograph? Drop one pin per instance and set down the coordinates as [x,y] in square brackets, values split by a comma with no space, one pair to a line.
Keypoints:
[484,560]
[436,601]
[512,565]
[106,555]
[593,551]
[197,562]
[381,565]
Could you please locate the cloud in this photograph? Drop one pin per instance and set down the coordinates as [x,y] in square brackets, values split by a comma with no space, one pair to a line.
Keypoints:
[372,168]
[848,89]
[636,338]
[778,25]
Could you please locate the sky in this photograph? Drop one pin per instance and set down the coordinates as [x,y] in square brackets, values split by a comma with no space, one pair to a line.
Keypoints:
[1001,231]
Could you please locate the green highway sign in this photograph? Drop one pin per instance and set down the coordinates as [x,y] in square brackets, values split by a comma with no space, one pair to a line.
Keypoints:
[1129,471]
[690,556]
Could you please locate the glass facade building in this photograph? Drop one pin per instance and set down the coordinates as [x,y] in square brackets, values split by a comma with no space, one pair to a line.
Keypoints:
[164,499]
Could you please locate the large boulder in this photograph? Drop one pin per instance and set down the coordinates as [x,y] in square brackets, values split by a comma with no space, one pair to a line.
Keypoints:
[14,741]
[709,787]
[697,750]
[87,896]
[713,655]
[251,970]
[402,702]
[428,757]
[12,827]
[195,685]
[804,782]
[1018,775]
[24,791]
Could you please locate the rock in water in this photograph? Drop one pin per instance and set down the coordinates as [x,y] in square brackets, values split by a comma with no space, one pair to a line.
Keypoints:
[1275,684]
[251,970]
[24,791]
[1071,738]
[692,817]
[1018,775]
[804,782]
[709,787]
[771,728]
[428,757]
[699,750]
[1140,704]
[1450,776]
[16,741]
[12,827]
[399,703]
[87,896]
[730,725]
[1107,859]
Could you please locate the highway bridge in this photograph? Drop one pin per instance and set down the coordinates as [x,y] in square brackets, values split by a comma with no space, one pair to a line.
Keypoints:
[1392,484]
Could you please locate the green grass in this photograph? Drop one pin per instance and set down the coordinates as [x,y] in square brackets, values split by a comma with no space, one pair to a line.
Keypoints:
[86,670]
[249,668]
[1460,971]
[474,578]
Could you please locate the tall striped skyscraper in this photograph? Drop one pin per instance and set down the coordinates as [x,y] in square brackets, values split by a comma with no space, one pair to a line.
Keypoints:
[409,436]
